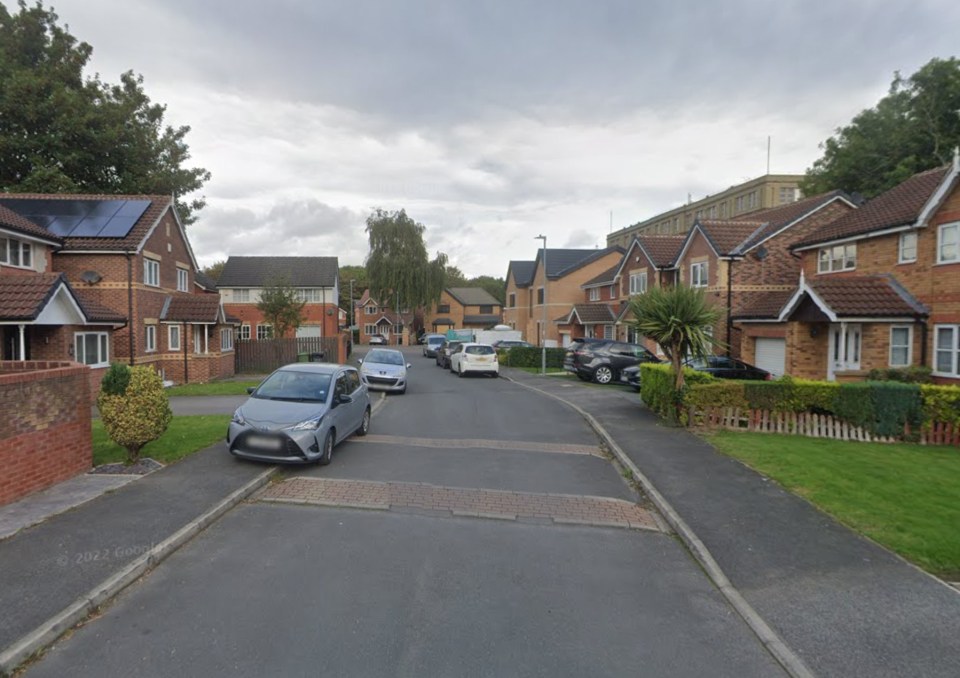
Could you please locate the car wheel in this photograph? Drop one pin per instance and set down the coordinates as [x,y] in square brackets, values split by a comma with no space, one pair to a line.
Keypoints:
[327,456]
[603,375]
[364,423]
[460,371]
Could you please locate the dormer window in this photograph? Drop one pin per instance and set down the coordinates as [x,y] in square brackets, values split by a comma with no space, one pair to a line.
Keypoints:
[837,258]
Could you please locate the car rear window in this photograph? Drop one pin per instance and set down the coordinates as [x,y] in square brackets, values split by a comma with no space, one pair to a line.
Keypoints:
[479,350]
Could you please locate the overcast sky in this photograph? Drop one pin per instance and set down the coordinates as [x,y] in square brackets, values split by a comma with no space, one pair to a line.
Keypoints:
[492,122]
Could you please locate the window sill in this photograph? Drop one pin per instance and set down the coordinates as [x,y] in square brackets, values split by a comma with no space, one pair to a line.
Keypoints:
[947,263]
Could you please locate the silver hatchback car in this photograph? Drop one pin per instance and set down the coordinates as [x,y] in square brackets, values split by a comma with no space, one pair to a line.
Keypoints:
[299,413]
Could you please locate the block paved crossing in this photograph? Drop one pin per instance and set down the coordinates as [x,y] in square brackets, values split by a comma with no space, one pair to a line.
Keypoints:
[458,501]
[477,443]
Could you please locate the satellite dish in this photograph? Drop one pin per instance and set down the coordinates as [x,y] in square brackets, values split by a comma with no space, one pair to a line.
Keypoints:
[91,277]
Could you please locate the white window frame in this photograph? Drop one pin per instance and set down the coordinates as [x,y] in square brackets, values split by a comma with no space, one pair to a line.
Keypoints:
[609,332]
[369,310]
[150,339]
[903,255]
[171,331]
[310,295]
[23,249]
[267,332]
[699,274]
[952,350]
[954,245]
[226,339]
[638,282]
[594,293]
[837,258]
[370,330]
[244,333]
[151,272]
[183,280]
[908,346]
[103,347]
[241,296]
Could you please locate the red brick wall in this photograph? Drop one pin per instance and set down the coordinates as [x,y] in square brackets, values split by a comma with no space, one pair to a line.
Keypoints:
[44,425]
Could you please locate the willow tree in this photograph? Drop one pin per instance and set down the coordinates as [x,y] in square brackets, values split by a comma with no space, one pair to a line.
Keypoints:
[398,267]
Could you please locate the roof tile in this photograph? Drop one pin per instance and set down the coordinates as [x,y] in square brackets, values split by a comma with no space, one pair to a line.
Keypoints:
[298,271]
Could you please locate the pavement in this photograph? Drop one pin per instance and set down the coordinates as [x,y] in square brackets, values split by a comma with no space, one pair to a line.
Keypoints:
[824,600]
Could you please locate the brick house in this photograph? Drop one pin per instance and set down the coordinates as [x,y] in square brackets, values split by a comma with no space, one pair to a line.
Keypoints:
[316,279]
[878,288]
[463,308]
[566,270]
[745,262]
[376,319]
[119,280]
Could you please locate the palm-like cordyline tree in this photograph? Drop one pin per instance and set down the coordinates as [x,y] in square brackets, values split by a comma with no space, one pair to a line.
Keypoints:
[677,319]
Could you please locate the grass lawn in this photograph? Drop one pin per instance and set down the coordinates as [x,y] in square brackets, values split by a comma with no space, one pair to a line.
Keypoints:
[213,388]
[906,497]
[184,436]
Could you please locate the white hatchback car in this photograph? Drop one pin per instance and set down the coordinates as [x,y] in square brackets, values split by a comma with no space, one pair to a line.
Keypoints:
[470,357]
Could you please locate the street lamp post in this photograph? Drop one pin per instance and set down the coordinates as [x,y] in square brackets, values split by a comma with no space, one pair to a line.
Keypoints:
[543,329]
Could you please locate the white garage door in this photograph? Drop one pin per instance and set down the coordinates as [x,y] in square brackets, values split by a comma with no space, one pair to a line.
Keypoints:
[771,355]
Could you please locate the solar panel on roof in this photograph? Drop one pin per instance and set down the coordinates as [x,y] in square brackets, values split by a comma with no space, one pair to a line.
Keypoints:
[105,208]
[63,225]
[118,227]
[133,208]
[81,218]
[89,227]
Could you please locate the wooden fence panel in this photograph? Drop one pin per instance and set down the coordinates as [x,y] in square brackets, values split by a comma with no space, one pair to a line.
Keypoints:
[265,355]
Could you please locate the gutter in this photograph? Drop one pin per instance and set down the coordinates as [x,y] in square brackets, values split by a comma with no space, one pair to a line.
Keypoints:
[130,323]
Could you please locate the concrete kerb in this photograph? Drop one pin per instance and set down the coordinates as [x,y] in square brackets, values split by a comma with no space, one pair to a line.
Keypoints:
[787,658]
[47,633]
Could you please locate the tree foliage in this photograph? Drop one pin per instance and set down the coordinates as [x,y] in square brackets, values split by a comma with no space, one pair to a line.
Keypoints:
[214,270]
[134,407]
[915,127]
[398,265]
[358,274]
[281,306]
[497,287]
[62,132]
[677,319]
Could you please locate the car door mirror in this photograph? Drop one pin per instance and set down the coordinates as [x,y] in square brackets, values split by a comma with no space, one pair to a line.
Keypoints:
[409,365]
[251,389]
[360,361]
[344,398]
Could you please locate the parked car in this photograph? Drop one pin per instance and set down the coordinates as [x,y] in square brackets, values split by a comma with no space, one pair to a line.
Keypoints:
[378,340]
[601,361]
[471,357]
[727,368]
[576,346]
[299,413]
[443,355]
[502,344]
[384,369]
[431,342]
[631,377]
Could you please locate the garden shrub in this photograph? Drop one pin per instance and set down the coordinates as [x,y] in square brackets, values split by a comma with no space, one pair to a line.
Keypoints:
[137,415]
[916,374]
[531,356]
[879,407]
[941,403]
[656,386]
[116,379]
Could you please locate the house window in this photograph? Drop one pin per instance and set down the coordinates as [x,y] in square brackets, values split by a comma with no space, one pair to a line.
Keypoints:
[245,332]
[901,345]
[698,274]
[264,332]
[241,296]
[370,310]
[226,339]
[512,300]
[486,310]
[788,194]
[443,308]
[608,332]
[92,348]
[908,247]
[948,243]
[150,338]
[370,330]
[15,252]
[310,295]
[151,272]
[539,295]
[183,280]
[594,294]
[837,258]
[638,282]
[946,350]
[173,337]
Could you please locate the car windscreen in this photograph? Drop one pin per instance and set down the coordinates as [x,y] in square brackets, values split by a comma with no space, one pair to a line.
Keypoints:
[479,350]
[385,357]
[434,340]
[294,385]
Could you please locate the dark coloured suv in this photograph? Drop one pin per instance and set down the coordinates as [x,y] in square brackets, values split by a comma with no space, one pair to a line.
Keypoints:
[601,360]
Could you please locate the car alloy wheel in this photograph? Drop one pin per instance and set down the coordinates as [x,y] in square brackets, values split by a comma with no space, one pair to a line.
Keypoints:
[327,455]
[365,423]
[603,375]
[460,371]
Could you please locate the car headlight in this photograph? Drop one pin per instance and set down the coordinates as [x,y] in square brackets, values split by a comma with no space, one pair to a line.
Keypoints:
[311,424]
[238,417]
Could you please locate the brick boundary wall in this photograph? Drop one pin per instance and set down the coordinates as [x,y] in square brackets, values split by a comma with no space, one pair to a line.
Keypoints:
[45,425]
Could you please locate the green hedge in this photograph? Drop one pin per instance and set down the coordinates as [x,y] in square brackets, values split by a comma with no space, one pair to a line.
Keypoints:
[530,356]
[941,403]
[656,386]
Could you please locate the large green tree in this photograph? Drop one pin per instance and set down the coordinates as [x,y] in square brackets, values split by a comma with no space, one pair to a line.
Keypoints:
[64,132]
[915,127]
[281,307]
[398,266]
[358,274]
[497,287]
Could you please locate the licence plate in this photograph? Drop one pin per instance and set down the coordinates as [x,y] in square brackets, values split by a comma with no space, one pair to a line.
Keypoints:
[483,359]
[264,441]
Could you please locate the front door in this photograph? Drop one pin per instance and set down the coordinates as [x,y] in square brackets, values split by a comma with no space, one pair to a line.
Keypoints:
[844,349]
